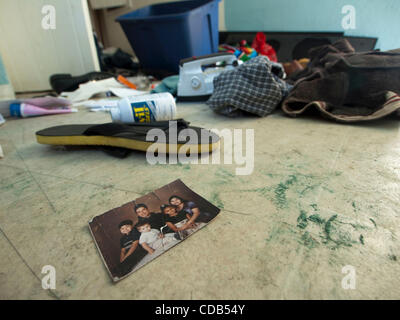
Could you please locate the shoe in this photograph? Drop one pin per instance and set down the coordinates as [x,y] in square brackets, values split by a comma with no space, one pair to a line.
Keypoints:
[130,136]
[66,83]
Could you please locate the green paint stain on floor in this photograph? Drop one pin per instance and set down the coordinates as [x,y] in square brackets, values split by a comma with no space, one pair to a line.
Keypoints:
[316,218]
[373,221]
[302,219]
[302,222]
[280,191]
[309,188]
[328,226]
[263,191]
[392,257]
[329,190]
[333,232]
[300,184]
[215,200]
[70,282]
[335,235]
[224,174]
[269,174]
[275,232]
[308,240]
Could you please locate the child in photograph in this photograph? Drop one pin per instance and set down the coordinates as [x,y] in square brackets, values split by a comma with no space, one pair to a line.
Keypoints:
[181,221]
[129,242]
[153,241]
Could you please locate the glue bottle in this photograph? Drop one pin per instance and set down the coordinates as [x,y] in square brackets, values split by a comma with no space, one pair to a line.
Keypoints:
[145,108]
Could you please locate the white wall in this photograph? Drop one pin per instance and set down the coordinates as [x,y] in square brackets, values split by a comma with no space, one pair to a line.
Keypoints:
[31,54]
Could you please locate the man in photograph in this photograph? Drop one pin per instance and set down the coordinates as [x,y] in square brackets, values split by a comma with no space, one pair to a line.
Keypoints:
[155,219]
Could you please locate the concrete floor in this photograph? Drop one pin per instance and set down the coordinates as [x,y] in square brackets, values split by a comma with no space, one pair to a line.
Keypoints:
[322,196]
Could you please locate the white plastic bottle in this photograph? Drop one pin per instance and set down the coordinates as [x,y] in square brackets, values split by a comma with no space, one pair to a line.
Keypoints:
[145,108]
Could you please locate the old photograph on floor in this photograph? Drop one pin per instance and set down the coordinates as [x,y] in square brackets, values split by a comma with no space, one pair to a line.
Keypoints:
[130,236]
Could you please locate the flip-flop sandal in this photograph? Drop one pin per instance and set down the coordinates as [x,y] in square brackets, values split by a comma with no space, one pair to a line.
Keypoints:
[133,136]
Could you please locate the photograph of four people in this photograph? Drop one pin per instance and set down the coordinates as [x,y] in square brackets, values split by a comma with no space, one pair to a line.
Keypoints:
[156,232]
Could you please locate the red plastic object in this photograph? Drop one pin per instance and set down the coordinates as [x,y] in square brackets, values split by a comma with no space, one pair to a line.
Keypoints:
[263,48]
[243,43]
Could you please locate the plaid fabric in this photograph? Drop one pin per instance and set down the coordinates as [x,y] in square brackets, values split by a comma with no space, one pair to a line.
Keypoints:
[255,86]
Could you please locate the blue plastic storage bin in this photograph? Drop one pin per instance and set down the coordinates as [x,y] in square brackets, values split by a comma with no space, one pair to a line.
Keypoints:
[163,34]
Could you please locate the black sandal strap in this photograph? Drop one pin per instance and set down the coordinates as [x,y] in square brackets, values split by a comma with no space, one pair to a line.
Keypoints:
[136,129]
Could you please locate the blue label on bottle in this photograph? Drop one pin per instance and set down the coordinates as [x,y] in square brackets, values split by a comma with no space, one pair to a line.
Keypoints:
[143,111]
[15,110]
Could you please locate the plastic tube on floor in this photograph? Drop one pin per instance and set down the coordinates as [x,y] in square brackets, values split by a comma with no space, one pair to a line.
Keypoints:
[28,110]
